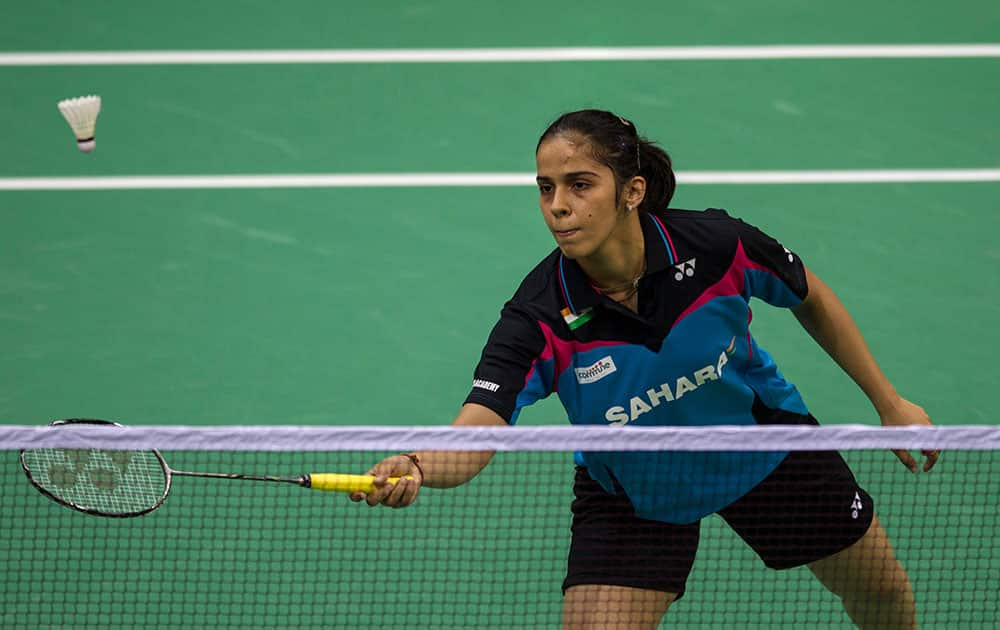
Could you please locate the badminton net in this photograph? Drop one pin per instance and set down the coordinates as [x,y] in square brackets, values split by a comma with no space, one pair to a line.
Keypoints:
[491,553]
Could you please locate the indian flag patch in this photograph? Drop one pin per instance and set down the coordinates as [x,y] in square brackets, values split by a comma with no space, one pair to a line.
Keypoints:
[574,320]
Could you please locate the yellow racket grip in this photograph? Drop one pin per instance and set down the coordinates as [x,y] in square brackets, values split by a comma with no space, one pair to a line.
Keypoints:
[333,482]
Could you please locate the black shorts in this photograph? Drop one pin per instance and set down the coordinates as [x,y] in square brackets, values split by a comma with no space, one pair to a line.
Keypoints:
[805,510]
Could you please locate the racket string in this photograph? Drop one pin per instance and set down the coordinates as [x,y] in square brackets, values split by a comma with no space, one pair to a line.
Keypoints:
[102,481]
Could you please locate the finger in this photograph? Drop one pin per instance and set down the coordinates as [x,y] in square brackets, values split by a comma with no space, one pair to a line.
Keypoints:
[382,490]
[907,459]
[410,491]
[405,493]
[931,459]
[395,498]
[357,496]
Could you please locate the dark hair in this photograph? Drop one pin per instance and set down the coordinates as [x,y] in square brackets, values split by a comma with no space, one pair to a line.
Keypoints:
[615,143]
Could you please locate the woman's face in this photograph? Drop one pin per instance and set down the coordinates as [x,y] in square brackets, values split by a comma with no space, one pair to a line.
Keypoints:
[576,195]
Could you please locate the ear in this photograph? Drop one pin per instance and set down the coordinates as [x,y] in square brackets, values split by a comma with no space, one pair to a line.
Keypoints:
[635,191]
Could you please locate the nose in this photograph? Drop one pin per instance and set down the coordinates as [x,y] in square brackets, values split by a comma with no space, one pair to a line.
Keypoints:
[559,206]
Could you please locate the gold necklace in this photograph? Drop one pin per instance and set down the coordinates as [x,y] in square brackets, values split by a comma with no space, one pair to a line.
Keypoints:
[631,287]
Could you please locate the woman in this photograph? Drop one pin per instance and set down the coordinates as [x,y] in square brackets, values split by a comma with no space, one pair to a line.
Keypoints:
[641,317]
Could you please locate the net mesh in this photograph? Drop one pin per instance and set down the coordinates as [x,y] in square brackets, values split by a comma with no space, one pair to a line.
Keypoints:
[491,553]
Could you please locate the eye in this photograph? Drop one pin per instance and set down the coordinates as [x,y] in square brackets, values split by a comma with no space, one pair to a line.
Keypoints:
[581,185]
[545,188]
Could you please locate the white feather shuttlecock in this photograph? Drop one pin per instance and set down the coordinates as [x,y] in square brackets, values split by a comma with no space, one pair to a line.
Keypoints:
[81,114]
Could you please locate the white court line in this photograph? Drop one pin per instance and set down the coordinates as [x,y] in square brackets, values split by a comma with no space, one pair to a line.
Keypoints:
[487,55]
[414,180]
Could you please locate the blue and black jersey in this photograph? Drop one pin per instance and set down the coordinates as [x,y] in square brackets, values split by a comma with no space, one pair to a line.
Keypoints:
[687,358]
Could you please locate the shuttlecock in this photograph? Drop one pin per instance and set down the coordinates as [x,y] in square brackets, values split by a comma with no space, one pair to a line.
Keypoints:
[81,114]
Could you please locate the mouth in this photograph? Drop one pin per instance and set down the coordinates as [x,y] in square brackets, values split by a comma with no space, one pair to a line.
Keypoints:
[564,234]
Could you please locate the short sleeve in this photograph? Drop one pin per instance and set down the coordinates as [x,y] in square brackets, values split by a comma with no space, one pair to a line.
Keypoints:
[511,373]
[777,275]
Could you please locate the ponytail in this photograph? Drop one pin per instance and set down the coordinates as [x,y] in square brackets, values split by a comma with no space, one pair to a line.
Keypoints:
[658,171]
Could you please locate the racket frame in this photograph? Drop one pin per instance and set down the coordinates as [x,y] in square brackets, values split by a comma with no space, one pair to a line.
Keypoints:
[94,511]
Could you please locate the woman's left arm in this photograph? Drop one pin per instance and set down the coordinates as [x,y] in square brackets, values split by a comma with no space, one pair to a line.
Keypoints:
[826,319]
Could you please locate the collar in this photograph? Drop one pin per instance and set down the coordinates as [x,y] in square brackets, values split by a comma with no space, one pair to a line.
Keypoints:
[577,292]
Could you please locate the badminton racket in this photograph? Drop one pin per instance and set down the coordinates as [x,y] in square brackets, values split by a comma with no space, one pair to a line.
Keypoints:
[123,484]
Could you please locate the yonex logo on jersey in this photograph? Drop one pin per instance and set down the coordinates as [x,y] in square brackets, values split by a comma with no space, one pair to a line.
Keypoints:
[595,372]
[666,393]
[480,383]
[856,506]
[791,256]
[684,270]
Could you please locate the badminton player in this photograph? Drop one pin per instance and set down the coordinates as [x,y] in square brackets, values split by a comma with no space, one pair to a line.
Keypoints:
[640,317]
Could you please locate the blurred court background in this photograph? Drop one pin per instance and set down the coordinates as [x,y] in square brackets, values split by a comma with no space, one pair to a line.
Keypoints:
[361,306]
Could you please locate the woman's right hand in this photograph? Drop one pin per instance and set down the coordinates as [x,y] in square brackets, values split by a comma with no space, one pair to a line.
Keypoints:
[402,493]
[447,469]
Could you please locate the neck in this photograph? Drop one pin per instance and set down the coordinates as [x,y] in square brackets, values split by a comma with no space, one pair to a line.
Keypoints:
[621,259]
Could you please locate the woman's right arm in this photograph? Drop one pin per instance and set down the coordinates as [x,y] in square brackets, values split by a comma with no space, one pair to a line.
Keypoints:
[507,378]
[436,469]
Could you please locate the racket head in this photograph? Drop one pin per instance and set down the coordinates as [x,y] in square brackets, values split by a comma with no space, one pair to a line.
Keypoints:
[115,483]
